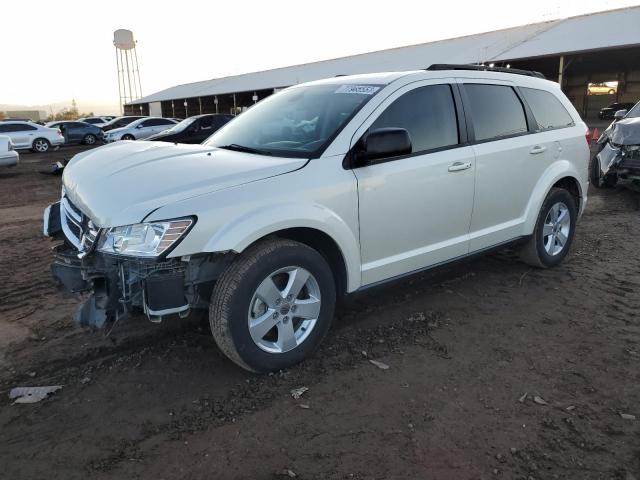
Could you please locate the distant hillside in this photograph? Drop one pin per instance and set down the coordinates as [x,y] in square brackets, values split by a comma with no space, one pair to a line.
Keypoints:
[96,108]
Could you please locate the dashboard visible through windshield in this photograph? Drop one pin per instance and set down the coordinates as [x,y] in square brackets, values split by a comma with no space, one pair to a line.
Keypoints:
[297,122]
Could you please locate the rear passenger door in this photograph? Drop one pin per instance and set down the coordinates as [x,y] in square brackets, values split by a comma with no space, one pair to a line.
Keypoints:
[508,162]
[415,209]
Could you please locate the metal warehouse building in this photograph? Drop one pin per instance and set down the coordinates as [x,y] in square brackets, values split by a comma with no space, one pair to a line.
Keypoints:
[595,57]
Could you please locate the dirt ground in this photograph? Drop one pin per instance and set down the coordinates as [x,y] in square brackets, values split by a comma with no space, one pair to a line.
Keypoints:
[496,371]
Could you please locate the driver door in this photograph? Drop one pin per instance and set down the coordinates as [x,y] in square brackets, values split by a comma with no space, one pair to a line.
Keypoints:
[415,209]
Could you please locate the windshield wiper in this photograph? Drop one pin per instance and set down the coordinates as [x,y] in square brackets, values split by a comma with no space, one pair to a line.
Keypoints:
[242,148]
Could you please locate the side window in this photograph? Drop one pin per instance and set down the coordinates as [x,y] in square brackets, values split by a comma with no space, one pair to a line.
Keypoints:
[4,128]
[496,111]
[427,113]
[148,123]
[547,109]
[19,127]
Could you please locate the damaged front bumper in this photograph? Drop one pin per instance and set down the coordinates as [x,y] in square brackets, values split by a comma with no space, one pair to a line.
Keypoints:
[621,161]
[118,285]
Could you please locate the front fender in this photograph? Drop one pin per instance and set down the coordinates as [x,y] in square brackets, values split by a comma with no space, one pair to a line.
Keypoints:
[238,234]
[557,171]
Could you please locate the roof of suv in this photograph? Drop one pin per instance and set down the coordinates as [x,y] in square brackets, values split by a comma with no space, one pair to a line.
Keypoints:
[385,78]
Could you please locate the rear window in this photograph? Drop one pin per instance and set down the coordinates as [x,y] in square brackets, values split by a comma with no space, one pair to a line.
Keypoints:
[496,111]
[547,109]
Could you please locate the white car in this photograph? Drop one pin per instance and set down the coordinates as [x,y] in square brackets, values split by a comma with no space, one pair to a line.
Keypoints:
[97,121]
[139,129]
[8,156]
[28,135]
[387,174]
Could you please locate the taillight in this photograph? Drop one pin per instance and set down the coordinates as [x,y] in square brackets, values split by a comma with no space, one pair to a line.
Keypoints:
[588,137]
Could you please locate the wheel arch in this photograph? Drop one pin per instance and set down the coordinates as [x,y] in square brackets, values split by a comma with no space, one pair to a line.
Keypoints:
[317,227]
[562,174]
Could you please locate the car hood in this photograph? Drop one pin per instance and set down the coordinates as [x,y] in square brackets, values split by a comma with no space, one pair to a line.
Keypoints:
[122,183]
[626,132]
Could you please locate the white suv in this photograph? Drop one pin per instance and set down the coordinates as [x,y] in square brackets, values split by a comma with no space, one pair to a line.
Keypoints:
[320,190]
[28,135]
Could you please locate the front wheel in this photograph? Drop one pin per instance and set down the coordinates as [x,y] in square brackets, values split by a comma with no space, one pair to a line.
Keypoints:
[273,305]
[89,139]
[553,233]
[40,145]
[597,179]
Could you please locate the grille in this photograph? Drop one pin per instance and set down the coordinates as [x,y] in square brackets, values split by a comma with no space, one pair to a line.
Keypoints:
[76,226]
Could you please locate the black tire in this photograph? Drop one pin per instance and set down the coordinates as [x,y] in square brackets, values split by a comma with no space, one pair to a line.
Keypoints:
[89,139]
[533,252]
[40,145]
[128,136]
[232,296]
[595,175]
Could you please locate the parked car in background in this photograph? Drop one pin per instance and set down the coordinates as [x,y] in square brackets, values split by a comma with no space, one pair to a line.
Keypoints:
[607,113]
[326,188]
[602,88]
[119,122]
[29,135]
[8,155]
[194,129]
[78,132]
[97,121]
[139,129]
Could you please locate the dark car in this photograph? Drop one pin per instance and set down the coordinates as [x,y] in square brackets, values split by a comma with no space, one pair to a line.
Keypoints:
[120,122]
[78,132]
[608,112]
[194,129]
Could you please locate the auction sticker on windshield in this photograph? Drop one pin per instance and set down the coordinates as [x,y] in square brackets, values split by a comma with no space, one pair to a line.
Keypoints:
[361,89]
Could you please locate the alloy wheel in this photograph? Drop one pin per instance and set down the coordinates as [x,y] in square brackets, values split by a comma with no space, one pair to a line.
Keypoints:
[41,145]
[284,309]
[556,228]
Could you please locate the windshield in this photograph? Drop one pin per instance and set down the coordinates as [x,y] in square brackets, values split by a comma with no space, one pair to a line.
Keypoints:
[180,126]
[297,122]
[634,112]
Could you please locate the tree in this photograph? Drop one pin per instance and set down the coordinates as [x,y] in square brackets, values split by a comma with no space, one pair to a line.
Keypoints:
[69,113]
[2,116]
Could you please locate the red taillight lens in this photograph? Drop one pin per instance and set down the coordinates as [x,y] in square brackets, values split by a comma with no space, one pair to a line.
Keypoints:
[588,137]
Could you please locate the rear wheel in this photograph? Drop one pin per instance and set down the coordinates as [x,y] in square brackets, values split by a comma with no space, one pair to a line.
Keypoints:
[128,136]
[273,305]
[40,145]
[89,139]
[553,233]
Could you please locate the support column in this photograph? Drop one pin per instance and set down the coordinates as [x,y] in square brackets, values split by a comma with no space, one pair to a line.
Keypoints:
[561,71]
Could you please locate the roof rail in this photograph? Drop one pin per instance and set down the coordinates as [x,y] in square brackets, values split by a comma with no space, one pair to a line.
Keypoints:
[484,68]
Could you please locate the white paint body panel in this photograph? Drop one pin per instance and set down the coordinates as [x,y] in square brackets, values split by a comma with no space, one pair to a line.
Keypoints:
[387,219]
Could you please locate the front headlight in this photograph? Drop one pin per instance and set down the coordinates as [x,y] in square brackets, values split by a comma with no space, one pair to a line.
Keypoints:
[150,239]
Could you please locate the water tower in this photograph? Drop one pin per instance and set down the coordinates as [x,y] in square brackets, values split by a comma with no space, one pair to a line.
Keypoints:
[129,86]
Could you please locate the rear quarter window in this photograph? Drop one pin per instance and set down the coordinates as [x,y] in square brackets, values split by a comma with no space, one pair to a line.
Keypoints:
[547,109]
[496,111]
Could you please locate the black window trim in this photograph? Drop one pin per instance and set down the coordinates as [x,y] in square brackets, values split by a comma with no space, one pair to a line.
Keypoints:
[348,162]
[538,128]
[529,119]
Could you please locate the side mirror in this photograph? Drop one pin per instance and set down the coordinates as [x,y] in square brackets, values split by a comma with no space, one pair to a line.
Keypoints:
[140,126]
[383,143]
[619,115]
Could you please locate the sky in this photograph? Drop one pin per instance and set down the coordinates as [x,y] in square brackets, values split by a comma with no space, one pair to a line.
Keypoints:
[63,50]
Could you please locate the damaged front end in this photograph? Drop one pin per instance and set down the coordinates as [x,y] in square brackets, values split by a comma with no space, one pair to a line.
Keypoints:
[118,285]
[619,157]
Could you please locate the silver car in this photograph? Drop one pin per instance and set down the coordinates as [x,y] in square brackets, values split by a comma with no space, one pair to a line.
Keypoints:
[8,156]
[139,129]
[28,135]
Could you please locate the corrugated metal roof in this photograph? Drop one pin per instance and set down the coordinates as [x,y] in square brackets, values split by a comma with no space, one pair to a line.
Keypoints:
[615,28]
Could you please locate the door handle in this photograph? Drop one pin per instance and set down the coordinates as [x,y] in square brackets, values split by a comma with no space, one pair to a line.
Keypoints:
[537,149]
[459,166]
